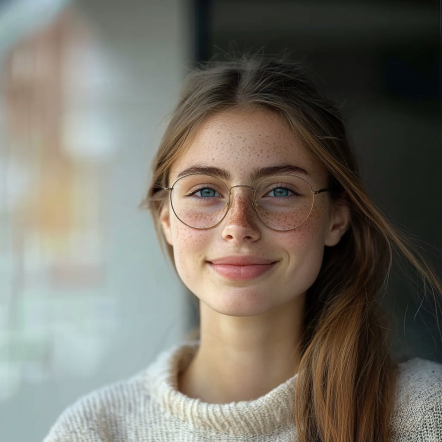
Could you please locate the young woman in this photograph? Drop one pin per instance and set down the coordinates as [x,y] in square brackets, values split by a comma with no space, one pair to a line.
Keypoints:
[256,194]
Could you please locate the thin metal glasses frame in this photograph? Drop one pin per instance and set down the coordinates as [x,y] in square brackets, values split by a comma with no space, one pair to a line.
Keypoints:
[254,203]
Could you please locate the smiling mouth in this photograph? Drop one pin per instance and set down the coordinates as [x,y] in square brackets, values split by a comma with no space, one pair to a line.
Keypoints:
[236,272]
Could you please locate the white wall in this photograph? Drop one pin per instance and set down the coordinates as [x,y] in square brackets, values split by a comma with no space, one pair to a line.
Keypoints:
[148,44]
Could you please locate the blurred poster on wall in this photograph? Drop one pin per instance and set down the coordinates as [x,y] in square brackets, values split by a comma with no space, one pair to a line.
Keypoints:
[56,139]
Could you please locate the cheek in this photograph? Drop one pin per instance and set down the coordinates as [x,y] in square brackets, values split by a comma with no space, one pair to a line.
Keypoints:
[305,249]
[188,246]
[311,234]
[304,254]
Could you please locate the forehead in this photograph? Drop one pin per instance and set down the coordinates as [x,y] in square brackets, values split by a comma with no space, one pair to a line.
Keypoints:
[242,141]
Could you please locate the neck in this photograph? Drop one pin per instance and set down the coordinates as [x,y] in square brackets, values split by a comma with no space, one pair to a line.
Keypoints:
[243,358]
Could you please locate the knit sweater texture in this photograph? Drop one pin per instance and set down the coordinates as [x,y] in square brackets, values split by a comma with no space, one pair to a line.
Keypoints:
[148,407]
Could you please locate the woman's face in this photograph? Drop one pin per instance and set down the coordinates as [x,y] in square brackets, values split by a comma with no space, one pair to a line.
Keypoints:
[241,142]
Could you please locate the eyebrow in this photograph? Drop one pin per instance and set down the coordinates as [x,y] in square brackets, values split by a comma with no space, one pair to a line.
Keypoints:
[283,169]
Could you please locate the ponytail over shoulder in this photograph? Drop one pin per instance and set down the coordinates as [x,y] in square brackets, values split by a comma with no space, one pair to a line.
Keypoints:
[347,377]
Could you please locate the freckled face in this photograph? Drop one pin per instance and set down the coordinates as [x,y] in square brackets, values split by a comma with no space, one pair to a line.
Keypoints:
[241,141]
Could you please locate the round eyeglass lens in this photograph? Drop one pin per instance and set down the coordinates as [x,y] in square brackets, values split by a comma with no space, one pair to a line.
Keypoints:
[200,201]
[283,202]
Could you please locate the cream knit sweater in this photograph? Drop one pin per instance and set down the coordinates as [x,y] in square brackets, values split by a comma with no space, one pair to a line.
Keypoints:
[148,407]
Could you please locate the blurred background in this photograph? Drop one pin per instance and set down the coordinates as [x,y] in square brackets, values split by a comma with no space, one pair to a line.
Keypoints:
[86,296]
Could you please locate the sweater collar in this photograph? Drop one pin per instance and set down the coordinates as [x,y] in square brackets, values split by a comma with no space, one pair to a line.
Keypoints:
[261,416]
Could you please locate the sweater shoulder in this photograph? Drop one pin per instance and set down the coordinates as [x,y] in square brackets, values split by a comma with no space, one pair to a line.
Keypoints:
[418,408]
[88,418]
[419,382]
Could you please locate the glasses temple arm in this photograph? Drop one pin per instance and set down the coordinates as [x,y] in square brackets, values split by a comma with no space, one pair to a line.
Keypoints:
[321,190]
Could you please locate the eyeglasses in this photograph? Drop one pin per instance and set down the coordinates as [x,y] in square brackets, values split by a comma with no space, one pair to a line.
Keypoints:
[282,202]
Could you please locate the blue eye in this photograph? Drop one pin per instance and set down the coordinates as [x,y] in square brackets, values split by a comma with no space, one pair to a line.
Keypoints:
[205,192]
[279,192]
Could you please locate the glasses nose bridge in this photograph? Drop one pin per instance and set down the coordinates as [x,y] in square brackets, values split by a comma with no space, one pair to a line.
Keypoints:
[251,198]
[242,185]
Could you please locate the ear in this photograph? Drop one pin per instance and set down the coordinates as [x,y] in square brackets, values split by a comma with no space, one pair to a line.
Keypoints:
[339,223]
[165,223]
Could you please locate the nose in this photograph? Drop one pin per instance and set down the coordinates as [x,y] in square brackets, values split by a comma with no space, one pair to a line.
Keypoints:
[241,223]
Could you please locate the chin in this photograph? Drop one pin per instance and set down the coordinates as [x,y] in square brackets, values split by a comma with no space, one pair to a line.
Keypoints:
[240,301]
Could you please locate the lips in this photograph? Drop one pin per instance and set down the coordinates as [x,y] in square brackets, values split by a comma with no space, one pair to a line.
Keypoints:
[241,268]
[242,260]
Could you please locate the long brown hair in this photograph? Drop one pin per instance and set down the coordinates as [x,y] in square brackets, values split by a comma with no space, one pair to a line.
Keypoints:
[346,376]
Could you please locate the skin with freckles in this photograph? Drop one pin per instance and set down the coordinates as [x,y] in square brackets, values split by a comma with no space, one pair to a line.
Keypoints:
[250,329]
